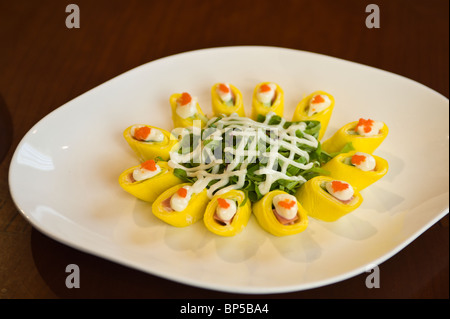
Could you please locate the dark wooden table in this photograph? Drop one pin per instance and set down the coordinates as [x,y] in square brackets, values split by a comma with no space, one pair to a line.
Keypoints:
[44,64]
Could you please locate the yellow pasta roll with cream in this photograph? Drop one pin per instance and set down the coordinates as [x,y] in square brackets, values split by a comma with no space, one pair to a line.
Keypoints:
[228,214]
[328,199]
[180,206]
[317,106]
[186,111]
[358,168]
[227,99]
[148,180]
[149,142]
[280,214]
[267,97]
[365,135]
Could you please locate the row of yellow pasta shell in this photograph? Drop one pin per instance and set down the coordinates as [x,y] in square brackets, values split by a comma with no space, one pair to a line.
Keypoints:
[157,190]
[277,107]
[312,200]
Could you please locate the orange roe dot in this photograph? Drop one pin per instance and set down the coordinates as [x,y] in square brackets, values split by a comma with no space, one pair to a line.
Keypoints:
[184,99]
[287,203]
[264,88]
[149,165]
[223,203]
[358,159]
[224,88]
[142,133]
[339,186]
[182,192]
[317,99]
[366,124]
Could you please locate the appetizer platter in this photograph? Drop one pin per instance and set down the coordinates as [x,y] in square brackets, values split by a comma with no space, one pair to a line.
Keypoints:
[255,180]
[223,168]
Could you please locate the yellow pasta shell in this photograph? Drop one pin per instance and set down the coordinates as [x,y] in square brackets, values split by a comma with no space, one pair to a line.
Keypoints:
[239,221]
[220,108]
[199,119]
[151,150]
[366,144]
[148,190]
[320,204]
[301,112]
[193,212]
[359,179]
[267,220]
[260,109]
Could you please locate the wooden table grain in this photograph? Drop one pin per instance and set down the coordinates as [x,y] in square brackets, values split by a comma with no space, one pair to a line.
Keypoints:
[44,64]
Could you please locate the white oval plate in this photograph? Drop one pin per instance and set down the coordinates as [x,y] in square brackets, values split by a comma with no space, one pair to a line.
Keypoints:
[64,174]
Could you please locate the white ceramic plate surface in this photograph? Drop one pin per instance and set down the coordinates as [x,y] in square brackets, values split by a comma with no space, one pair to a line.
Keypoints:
[63,175]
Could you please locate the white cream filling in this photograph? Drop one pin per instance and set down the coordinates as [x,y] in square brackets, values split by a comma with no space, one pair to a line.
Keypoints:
[179,203]
[226,214]
[320,106]
[374,129]
[187,110]
[343,195]
[225,96]
[266,97]
[140,174]
[287,213]
[154,136]
[368,164]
